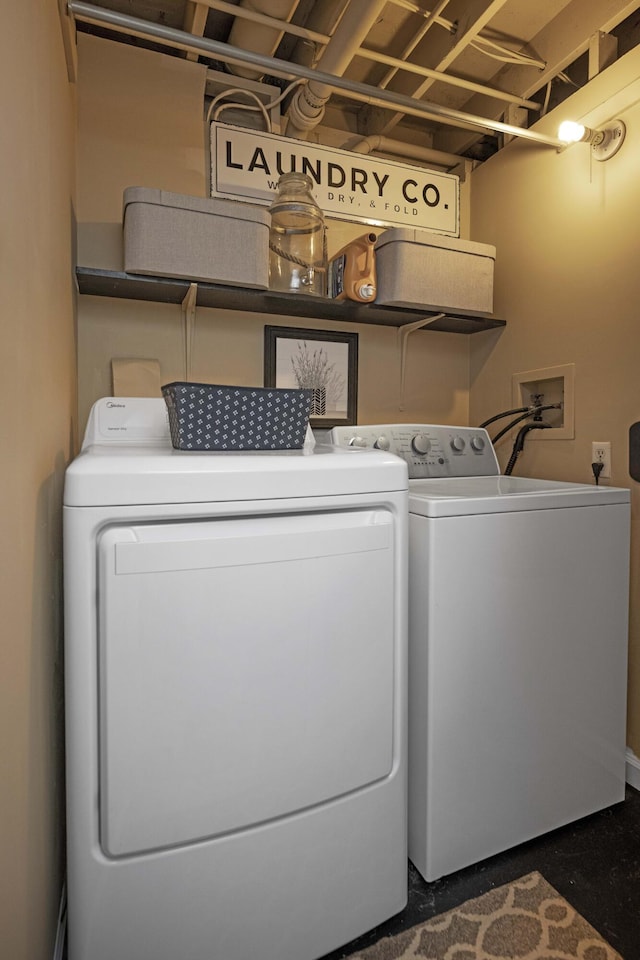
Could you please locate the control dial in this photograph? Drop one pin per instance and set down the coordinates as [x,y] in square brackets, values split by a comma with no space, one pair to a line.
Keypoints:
[382,443]
[457,444]
[421,444]
[477,444]
[357,442]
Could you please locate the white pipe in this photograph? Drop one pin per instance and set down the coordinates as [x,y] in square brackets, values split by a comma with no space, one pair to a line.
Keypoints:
[323,19]
[307,105]
[179,40]
[261,39]
[397,147]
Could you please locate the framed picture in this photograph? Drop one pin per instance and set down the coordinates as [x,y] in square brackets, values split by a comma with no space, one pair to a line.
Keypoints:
[323,361]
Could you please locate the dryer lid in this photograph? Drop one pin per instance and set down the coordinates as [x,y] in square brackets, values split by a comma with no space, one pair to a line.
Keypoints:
[127,459]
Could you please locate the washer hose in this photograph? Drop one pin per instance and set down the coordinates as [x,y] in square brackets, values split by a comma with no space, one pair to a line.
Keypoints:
[531,412]
[505,413]
[519,442]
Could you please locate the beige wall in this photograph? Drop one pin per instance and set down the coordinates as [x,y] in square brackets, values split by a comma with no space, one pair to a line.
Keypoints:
[567,232]
[38,404]
[140,123]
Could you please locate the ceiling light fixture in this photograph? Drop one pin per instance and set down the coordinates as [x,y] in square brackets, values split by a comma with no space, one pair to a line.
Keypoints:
[605,142]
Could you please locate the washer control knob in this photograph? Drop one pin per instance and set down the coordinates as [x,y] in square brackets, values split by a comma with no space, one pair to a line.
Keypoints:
[421,444]
[357,441]
[382,443]
[457,444]
[477,443]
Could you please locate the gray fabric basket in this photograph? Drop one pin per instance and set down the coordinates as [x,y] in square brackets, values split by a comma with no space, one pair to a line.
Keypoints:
[205,416]
[195,238]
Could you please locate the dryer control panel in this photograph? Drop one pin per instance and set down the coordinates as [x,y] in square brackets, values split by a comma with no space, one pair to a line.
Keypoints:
[430,450]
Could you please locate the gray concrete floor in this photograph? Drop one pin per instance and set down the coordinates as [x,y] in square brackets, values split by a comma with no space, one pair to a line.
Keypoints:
[594,864]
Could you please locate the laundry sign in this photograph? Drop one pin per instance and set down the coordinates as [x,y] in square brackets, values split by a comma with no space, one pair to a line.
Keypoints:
[246,165]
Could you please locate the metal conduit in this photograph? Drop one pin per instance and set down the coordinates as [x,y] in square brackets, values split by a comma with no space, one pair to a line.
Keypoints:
[122,23]
[376,56]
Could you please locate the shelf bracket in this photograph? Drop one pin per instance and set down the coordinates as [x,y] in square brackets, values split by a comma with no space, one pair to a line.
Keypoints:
[403,336]
[189,305]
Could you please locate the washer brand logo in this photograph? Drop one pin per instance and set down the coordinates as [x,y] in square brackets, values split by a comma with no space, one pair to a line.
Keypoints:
[246,165]
[112,404]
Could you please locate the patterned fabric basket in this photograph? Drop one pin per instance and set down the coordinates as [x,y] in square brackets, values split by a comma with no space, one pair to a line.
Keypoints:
[204,416]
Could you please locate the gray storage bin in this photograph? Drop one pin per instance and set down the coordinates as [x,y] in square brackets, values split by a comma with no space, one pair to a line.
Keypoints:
[195,238]
[205,416]
[420,269]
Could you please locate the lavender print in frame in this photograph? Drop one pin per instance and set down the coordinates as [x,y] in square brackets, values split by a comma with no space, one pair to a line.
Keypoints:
[323,361]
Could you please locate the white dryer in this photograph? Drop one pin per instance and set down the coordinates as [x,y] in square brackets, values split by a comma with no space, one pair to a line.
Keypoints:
[235,656]
[518,610]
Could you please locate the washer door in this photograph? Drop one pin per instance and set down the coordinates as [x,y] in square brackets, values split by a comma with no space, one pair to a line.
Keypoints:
[246,671]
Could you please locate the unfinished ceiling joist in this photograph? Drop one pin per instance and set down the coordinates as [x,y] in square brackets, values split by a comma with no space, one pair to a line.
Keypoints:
[168,36]
[559,43]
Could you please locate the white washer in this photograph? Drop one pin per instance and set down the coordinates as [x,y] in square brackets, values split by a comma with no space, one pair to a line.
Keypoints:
[235,660]
[518,599]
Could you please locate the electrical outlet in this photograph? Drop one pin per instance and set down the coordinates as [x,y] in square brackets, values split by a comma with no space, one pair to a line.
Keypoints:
[601,453]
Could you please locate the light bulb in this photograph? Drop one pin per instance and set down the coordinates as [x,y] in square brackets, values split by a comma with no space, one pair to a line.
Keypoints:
[605,142]
[571,132]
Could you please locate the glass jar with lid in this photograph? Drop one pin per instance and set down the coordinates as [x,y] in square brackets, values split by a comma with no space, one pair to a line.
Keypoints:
[297,250]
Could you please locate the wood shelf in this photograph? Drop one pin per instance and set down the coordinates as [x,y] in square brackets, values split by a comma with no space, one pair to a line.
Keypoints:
[111,283]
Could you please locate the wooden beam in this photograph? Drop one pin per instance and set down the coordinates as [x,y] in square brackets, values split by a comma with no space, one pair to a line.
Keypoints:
[195,21]
[603,51]
[443,50]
